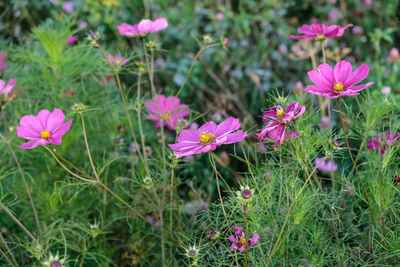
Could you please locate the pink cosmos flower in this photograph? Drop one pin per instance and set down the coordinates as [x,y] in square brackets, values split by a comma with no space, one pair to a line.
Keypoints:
[144,27]
[325,165]
[117,60]
[239,240]
[357,30]
[3,57]
[169,109]
[340,81]
[45,128]
[394,55]
[68,7]
[275,129]
[319,32]
[208,137]
[5,89]
[382,143]
[325,123]
[72,39]
[386,90]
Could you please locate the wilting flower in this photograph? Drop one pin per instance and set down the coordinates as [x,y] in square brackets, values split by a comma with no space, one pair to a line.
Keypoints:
[382,142]
[72,39]
[3,57]
[239,239]
[325,165]
[169,110]
[5,89]
[340,81]
[68,7]
[275,129]
[319,32]
[394,55]
[208,137]
[386,90]
[45,128]
[117,60]
[144,27]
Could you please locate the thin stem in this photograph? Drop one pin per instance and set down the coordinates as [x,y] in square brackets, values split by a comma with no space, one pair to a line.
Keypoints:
[171,196]
[12,261]
[323,52]
[142,137]
[68,170]
[17,221]
[87,148]
[219,191]
[382,206]
[246,254]
[314,65]
[72,165]
[289,211]
[355,165]
[3,114]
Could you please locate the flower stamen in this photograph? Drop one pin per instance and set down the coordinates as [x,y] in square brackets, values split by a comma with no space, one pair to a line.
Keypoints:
[320,38]
[242,241]
[206,138]
[166,116]
[45,134]
[338,87]
[280,114]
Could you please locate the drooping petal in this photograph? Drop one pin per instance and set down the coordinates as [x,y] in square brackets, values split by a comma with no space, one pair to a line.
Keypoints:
[233,247]
[243,247]
[33,144]
[254,239]
[232,238]
[360,87]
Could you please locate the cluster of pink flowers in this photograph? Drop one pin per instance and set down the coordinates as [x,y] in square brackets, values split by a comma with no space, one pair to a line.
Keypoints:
[239,240]
[276,119]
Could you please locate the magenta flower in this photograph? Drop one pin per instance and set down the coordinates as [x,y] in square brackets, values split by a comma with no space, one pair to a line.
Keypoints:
[144,27]
[3,57]
[169,109]
[275,129]
[117,60]
[68,7]
[239,240]
[319,32]
[340,81]
[5,89]
[325,165]
[72,39]
[208,137]
[394,55]
[45,128]
[382,143]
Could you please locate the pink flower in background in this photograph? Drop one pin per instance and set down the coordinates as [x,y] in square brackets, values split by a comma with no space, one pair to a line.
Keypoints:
[208,137]
[386,90]
[394,55]
[144,27]
[276,119]
[169,109]
[68,7]
[325,122]
[239,240]
[325,165]
[117,60]
[219,16]
[72,39]
[45,128]
[382,142]
[298,88]
[5,89]
[333,14]
[54,2]
[340,81]
[3,63]
[357,30]
[282,49]
[319,32]
[367,3]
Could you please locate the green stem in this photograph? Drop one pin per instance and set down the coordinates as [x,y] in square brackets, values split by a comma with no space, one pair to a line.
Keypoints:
[219,191]
[17,221]
[323,52]
[355,165]
[246,253]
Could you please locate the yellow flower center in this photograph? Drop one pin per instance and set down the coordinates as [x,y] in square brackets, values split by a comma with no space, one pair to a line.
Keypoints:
[338,87]
[45,134]
[242,241]
[206,138]
[166,116]
[320,38]
[280,114]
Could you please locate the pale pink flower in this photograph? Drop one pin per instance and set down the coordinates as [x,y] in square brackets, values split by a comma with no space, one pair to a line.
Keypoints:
[325,122]
[239,240]
[325,165]
[208,137]
[319,32]
[167,109]
[72,39]
[382,142]
[68,7]
[117,60]
[333,14]
[357,30]
[45,128]
[219,16]
[394,55]
[144,27]
[5,89]
[340,81]
[386,90]
[3,63]
[367,3]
